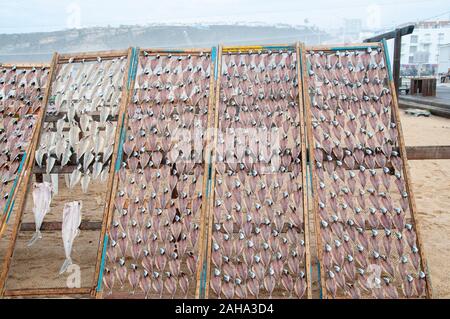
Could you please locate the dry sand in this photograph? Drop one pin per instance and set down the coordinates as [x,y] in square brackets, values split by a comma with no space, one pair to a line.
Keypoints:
[431,185]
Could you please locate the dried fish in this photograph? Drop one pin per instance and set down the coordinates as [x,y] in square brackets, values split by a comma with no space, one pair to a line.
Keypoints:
[159,199]
[42,196]
[70,229]
[363,113]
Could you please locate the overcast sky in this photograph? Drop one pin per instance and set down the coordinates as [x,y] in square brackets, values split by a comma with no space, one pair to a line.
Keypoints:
[19,16]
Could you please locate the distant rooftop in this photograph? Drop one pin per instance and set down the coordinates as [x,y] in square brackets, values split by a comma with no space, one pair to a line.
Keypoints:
[435,24]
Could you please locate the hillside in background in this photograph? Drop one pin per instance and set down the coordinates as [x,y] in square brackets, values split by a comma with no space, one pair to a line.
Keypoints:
[38,47]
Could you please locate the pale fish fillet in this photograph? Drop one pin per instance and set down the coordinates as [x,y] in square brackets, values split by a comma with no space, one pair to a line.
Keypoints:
[67,180]
[109,129]
[75,176]
[108,152]
[83,146]
[39,155]
[85,180]
[87,160]
[42,197]
[60,148]
[104,112]
[70,114]
[84,122]
[104,174]
[94,127]
[70,229]
[99,143]
[50,163]
[66,156]
[96,169]
[60,126]
[74,135]
[55,185]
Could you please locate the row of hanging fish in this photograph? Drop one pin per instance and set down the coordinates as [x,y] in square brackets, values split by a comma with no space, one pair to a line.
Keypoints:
[71,219]
[369,243]
[21,95]
[260,90]
[155,231]
[81,120]
[258,239]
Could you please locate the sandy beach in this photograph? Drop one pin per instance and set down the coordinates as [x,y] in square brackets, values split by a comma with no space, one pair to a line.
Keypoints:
[431,186]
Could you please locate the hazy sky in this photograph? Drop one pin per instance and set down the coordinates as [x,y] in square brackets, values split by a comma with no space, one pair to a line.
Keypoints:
[20,16]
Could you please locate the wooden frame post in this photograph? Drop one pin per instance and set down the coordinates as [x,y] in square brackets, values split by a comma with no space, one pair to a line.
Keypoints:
[57,59]
[128,84]
[210,204]
[9,208]
[26,178]
[407,176]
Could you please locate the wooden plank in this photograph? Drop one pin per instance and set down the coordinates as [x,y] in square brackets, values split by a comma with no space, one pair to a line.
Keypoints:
[95,116]
[248,48]
[428,152]
[313,172]
[25,65]
[46,292]
[341,46]
[112,179]
[409,187]
[164,52]
[26,179]
[55,226]
[392,34]
[88,56]
[67,169]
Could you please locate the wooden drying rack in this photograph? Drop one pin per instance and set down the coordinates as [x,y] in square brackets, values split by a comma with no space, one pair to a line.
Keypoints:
[11,202]
[247,49]
[421,152]
[29,170]
[97,291]
[21,191]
